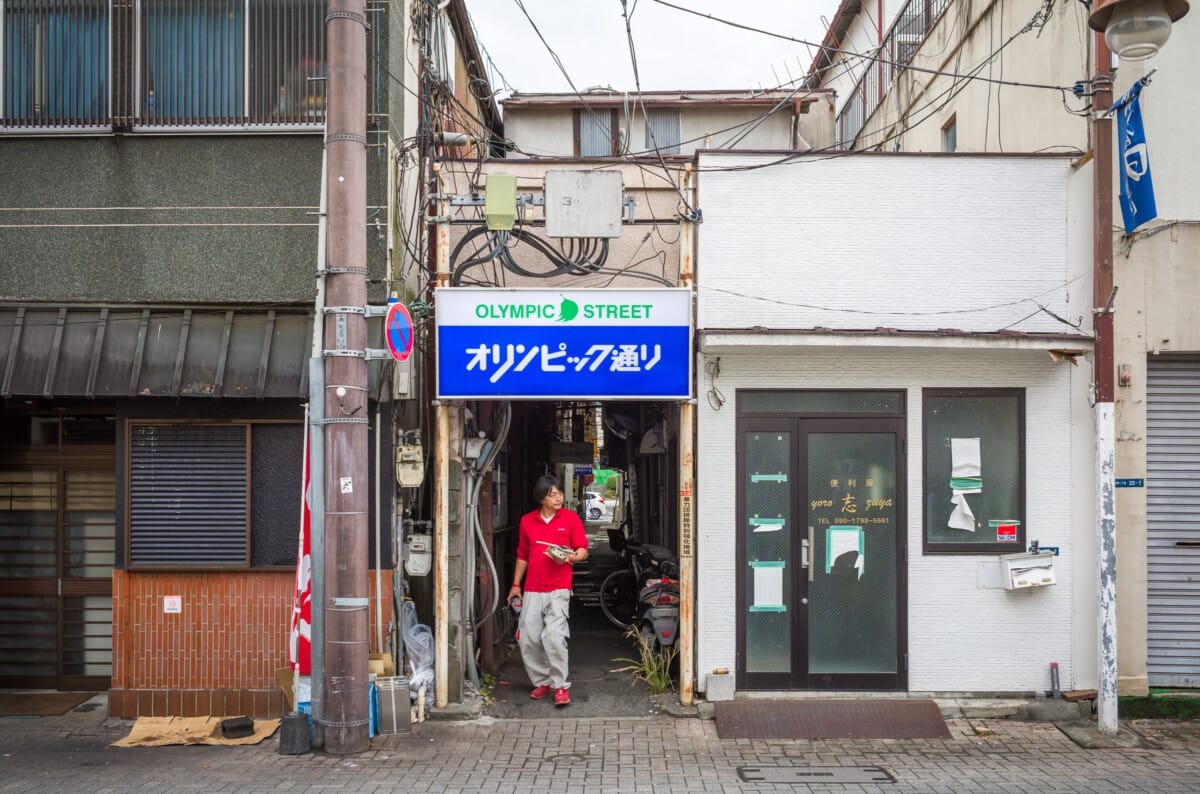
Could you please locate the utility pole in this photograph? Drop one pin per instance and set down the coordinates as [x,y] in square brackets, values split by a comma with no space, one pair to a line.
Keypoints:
[1102,376]
[346,603]
[687,482]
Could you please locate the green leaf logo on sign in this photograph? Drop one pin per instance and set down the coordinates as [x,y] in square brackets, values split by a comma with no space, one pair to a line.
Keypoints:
[568,311]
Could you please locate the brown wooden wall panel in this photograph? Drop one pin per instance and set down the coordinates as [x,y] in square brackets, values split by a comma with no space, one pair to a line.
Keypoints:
[219,654]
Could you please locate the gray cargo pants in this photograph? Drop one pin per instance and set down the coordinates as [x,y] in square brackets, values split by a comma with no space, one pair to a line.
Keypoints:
[544,634]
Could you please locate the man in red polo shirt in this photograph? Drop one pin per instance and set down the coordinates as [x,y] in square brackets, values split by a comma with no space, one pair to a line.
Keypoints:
[546,570]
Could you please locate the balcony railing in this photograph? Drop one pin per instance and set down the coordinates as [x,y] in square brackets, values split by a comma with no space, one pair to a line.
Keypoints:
[71,65]
[901,43]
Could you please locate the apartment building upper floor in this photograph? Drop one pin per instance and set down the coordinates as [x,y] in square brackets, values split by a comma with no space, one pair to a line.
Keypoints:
[609,123]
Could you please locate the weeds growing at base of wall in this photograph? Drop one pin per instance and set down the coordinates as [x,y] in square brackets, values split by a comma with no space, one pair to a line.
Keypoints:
[654,665]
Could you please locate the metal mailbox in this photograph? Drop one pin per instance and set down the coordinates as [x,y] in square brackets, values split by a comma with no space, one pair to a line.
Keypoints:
[1028,569]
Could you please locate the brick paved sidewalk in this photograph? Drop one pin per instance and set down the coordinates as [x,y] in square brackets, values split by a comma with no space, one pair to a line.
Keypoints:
[606,755]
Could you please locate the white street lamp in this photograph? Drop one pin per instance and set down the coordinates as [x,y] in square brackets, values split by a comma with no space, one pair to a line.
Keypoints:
[1136,29]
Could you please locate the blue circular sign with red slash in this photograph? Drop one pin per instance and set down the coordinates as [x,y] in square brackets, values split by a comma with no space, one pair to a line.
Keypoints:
[398,331]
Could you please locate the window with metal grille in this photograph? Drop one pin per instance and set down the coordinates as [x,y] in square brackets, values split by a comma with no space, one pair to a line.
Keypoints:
[71,65]
[230,62]
[189,495]
[55,63]
[205,495]
[974,493]
[662,130]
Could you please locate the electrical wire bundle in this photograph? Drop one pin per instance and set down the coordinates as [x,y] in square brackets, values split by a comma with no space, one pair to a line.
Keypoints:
[576,256]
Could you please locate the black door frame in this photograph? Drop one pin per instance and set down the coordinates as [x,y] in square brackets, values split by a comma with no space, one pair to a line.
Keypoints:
[800,426]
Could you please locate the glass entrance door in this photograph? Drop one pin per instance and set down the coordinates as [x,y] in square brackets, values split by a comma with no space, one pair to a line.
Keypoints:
[822,590]
[57,544]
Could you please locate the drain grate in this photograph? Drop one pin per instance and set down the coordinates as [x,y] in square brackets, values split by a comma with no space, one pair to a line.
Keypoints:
[817,775]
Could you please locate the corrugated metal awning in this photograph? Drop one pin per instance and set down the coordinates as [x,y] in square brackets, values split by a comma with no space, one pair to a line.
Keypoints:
[134,351]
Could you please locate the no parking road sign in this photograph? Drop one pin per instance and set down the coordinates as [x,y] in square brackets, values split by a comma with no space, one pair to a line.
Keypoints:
[398,331]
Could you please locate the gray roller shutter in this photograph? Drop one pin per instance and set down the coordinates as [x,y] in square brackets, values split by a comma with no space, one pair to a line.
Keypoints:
[662,130]
[595,133]
[1173,521]
[188,495]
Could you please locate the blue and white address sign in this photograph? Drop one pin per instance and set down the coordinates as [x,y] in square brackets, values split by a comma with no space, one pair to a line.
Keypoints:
[564,344]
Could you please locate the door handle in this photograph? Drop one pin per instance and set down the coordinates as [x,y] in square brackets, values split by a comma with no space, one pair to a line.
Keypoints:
[804,552]
[808,544]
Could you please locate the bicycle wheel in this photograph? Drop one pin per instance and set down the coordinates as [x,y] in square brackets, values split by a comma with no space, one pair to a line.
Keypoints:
[618,598]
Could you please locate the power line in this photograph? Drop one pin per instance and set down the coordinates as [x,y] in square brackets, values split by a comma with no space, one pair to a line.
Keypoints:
[883,312]
[688,210]
[851,53]
[950,92]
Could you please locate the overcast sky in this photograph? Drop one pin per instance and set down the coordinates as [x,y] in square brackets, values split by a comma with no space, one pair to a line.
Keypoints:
[675,50]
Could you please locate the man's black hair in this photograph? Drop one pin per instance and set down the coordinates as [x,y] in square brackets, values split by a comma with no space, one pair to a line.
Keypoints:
[543,486]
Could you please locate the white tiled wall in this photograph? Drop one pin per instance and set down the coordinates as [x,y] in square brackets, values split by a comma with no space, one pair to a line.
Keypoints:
[911,242]
[961,638]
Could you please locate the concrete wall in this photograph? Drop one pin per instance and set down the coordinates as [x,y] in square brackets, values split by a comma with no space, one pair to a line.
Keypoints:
[540,133]
[163,219]
[550,132]
[961,637]
[649,247]
[904,242]
[989,117]
[846,68]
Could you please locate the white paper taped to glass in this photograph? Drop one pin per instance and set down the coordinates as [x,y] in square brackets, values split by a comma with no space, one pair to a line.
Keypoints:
[965,478]
[768,586]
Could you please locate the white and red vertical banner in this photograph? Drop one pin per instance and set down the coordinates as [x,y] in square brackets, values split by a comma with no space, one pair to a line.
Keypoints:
[300,645]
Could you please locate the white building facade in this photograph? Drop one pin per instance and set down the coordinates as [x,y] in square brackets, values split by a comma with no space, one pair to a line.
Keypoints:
[1024,49]
[888,407]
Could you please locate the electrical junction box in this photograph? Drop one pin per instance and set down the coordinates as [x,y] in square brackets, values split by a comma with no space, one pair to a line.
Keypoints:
[410,465]
[500,202]
[402,378]
[1031,569]
[583,203]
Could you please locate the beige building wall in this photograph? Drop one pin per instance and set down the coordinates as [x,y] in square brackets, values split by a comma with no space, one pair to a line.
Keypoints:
[550,132]
[989,117]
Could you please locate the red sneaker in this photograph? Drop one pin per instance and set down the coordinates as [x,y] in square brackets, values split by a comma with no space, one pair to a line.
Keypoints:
[540,692]
[562,697]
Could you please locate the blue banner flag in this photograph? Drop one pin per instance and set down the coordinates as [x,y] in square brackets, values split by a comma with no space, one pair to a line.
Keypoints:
[1137,189]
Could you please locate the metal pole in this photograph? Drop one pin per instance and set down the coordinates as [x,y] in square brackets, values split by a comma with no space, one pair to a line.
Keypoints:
[379,647]
[441,529]
[316,413]
[1102,373]
[687,522]
[347,602]
[441,543]
[316,468]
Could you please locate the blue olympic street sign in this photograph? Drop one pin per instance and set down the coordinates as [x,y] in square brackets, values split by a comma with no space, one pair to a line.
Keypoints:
[564,344]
